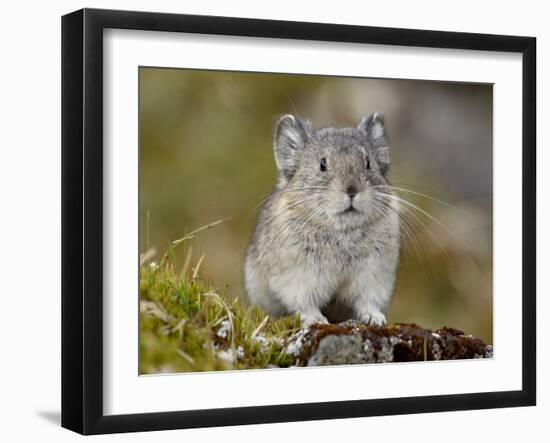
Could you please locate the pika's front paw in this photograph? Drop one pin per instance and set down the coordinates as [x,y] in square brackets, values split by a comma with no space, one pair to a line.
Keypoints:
[310,319]
[373,318]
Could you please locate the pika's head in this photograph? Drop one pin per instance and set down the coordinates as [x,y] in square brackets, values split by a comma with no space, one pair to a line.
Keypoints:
[334,175]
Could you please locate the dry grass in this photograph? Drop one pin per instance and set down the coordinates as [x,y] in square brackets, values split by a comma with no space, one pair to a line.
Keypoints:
[187,324]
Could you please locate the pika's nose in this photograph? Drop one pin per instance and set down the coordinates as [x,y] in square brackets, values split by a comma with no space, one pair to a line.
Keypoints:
[351,191]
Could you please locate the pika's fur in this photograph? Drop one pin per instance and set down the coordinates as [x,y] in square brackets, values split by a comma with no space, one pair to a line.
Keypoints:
[327,243]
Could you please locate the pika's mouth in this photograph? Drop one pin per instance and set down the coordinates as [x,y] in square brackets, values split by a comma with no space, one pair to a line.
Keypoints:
[350,210]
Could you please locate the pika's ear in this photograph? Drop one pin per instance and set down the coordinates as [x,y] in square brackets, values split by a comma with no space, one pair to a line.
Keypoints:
[374,127]
[290,136]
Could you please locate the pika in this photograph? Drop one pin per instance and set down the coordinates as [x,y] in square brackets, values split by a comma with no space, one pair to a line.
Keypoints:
[327,240]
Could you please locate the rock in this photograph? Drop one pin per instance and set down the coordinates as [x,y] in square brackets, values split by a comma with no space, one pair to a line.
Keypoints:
[338,350]
[353,342]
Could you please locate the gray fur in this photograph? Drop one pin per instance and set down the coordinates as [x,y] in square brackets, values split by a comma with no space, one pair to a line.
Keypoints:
[309,252]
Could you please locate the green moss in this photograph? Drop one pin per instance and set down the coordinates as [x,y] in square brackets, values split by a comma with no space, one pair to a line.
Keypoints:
[189,325]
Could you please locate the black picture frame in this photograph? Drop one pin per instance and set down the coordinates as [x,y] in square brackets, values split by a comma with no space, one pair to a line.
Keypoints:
[82,220]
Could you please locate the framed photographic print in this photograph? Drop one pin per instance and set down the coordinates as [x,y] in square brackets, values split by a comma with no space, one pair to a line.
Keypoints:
[261,217]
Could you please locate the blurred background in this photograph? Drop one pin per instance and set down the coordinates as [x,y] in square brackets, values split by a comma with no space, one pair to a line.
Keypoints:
[206,154]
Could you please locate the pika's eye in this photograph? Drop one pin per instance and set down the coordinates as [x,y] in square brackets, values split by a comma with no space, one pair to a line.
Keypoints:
[368,163]
[323,164]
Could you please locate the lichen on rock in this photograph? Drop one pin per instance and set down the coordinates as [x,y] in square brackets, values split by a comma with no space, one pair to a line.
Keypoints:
[352,342]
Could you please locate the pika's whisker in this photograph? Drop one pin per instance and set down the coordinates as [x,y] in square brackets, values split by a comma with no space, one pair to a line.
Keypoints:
[416,219]
[283,210]
[409,230]
[397,188]
[283,232]
[428,215]
[284,191]
[379,207]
